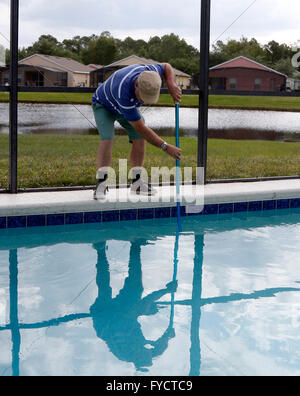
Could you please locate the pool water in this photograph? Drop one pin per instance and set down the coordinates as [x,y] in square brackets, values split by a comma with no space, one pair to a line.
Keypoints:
[137,298]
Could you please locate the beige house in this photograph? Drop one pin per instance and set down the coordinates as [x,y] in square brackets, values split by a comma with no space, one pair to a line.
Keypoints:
[182,79]
[54,71]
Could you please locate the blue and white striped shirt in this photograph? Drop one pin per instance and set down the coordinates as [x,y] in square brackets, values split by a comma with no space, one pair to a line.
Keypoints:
[117,93]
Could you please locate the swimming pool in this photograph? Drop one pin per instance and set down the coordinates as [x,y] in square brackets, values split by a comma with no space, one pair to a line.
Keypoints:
[221,298]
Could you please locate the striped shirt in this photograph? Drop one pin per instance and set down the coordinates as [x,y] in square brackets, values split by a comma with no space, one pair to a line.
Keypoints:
[117,93]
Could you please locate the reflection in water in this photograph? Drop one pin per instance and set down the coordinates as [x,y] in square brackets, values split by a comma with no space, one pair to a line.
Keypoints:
[115,319]
[66,119]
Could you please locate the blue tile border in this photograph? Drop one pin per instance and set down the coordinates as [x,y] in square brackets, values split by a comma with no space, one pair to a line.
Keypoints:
[55,219]
[142,213]
[36,221]
[3,222]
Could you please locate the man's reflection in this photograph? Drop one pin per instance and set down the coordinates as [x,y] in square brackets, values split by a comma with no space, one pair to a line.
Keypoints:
[116,319]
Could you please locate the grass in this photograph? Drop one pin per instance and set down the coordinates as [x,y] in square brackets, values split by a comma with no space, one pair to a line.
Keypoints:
[221,101]
[66,160]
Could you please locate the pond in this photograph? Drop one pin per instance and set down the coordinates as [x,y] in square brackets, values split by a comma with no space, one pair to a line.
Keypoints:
[234,124]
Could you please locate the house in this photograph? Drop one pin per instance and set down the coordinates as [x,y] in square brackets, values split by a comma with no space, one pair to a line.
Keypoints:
[293,83]
[36,76]
[102,74]
[45,70]
[243,74]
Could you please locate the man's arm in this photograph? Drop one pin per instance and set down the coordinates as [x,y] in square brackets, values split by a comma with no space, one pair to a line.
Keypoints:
[151,137]
[173,88]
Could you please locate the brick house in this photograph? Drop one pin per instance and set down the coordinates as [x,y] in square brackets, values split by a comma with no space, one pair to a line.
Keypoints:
[243,74]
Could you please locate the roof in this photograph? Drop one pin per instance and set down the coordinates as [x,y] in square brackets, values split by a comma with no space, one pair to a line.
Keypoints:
[243,62]
[66,63]
[132,59]
[95,67]
[43,68]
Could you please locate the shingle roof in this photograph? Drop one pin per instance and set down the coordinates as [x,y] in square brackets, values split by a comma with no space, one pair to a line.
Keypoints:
[243,62]
[66,63]
[144,61]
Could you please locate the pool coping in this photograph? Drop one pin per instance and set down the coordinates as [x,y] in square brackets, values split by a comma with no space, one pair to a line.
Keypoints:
[78,207]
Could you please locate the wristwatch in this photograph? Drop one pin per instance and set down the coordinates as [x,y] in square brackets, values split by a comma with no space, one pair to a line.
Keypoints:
[164,146]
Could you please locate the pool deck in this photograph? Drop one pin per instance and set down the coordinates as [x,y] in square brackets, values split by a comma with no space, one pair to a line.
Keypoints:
[41,203]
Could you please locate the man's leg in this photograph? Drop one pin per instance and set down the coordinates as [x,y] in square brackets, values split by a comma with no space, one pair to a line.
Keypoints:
[105,153]
[137,156]
[138,151]
[105,123]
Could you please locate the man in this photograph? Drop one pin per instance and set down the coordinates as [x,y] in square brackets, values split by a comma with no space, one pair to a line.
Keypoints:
[118,99]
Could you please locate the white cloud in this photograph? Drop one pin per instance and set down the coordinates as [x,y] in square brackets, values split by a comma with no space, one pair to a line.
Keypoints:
[266,20]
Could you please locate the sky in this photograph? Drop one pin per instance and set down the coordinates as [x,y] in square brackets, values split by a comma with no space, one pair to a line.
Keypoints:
[265,20]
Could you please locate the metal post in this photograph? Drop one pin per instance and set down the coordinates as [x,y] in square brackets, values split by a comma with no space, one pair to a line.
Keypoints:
[203,85]
[13,108]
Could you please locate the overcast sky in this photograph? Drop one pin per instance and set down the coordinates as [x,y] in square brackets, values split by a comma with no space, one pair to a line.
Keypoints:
[266,20]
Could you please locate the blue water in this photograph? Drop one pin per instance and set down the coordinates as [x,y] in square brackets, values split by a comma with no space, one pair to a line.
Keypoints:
[136,298]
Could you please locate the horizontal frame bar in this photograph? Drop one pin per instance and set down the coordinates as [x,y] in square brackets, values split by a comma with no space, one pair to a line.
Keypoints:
[162,91]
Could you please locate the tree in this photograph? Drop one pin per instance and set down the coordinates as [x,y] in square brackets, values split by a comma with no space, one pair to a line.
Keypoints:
[274,52]
[284,66]
[100,50]
[46,44]
[249,48]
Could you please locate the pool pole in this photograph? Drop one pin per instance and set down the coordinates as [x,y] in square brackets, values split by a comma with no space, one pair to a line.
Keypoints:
[177,168]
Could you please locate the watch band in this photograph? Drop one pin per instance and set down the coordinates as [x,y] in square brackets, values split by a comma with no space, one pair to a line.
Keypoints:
[164,146]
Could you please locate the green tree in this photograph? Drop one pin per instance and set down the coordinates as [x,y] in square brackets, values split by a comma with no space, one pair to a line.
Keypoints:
[251,49]
[284,66]
[46,44]
[274,52]
[100,50]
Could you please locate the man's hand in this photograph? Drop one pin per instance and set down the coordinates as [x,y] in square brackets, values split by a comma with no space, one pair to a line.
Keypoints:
[175,92]
[174,152]
[170,78]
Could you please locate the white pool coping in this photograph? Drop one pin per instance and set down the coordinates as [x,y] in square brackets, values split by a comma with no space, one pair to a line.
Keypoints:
[34,203]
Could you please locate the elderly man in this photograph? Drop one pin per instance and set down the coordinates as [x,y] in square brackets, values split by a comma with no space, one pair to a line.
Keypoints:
[118,99]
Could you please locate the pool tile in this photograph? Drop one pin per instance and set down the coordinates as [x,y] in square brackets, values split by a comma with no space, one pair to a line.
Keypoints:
[295,203]
[16,221]
[2,222]
[55,219]
[145,214]
[211,209]
[255,206]
[162,212]
[240,207]
[269,205]
[130,214]
[74,218]
[36,221]
[174,211]
[226,208]
[111,215]
[283,203]
[92,217]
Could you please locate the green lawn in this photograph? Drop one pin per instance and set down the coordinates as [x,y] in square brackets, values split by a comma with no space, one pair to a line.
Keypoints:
[279,103]
[52,161]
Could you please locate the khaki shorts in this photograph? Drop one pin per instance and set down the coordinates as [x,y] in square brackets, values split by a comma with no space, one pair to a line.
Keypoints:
[105,121]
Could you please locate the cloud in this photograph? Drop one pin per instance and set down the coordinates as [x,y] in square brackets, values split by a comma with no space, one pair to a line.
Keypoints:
[265,20]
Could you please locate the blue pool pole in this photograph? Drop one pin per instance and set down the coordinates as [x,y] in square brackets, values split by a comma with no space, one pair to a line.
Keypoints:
[177,167]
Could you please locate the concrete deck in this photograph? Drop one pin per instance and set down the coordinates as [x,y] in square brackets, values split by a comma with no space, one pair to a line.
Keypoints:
[121,199]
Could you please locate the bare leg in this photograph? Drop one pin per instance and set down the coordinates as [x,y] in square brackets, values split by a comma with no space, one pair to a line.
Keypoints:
[105,153]
[138,153]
